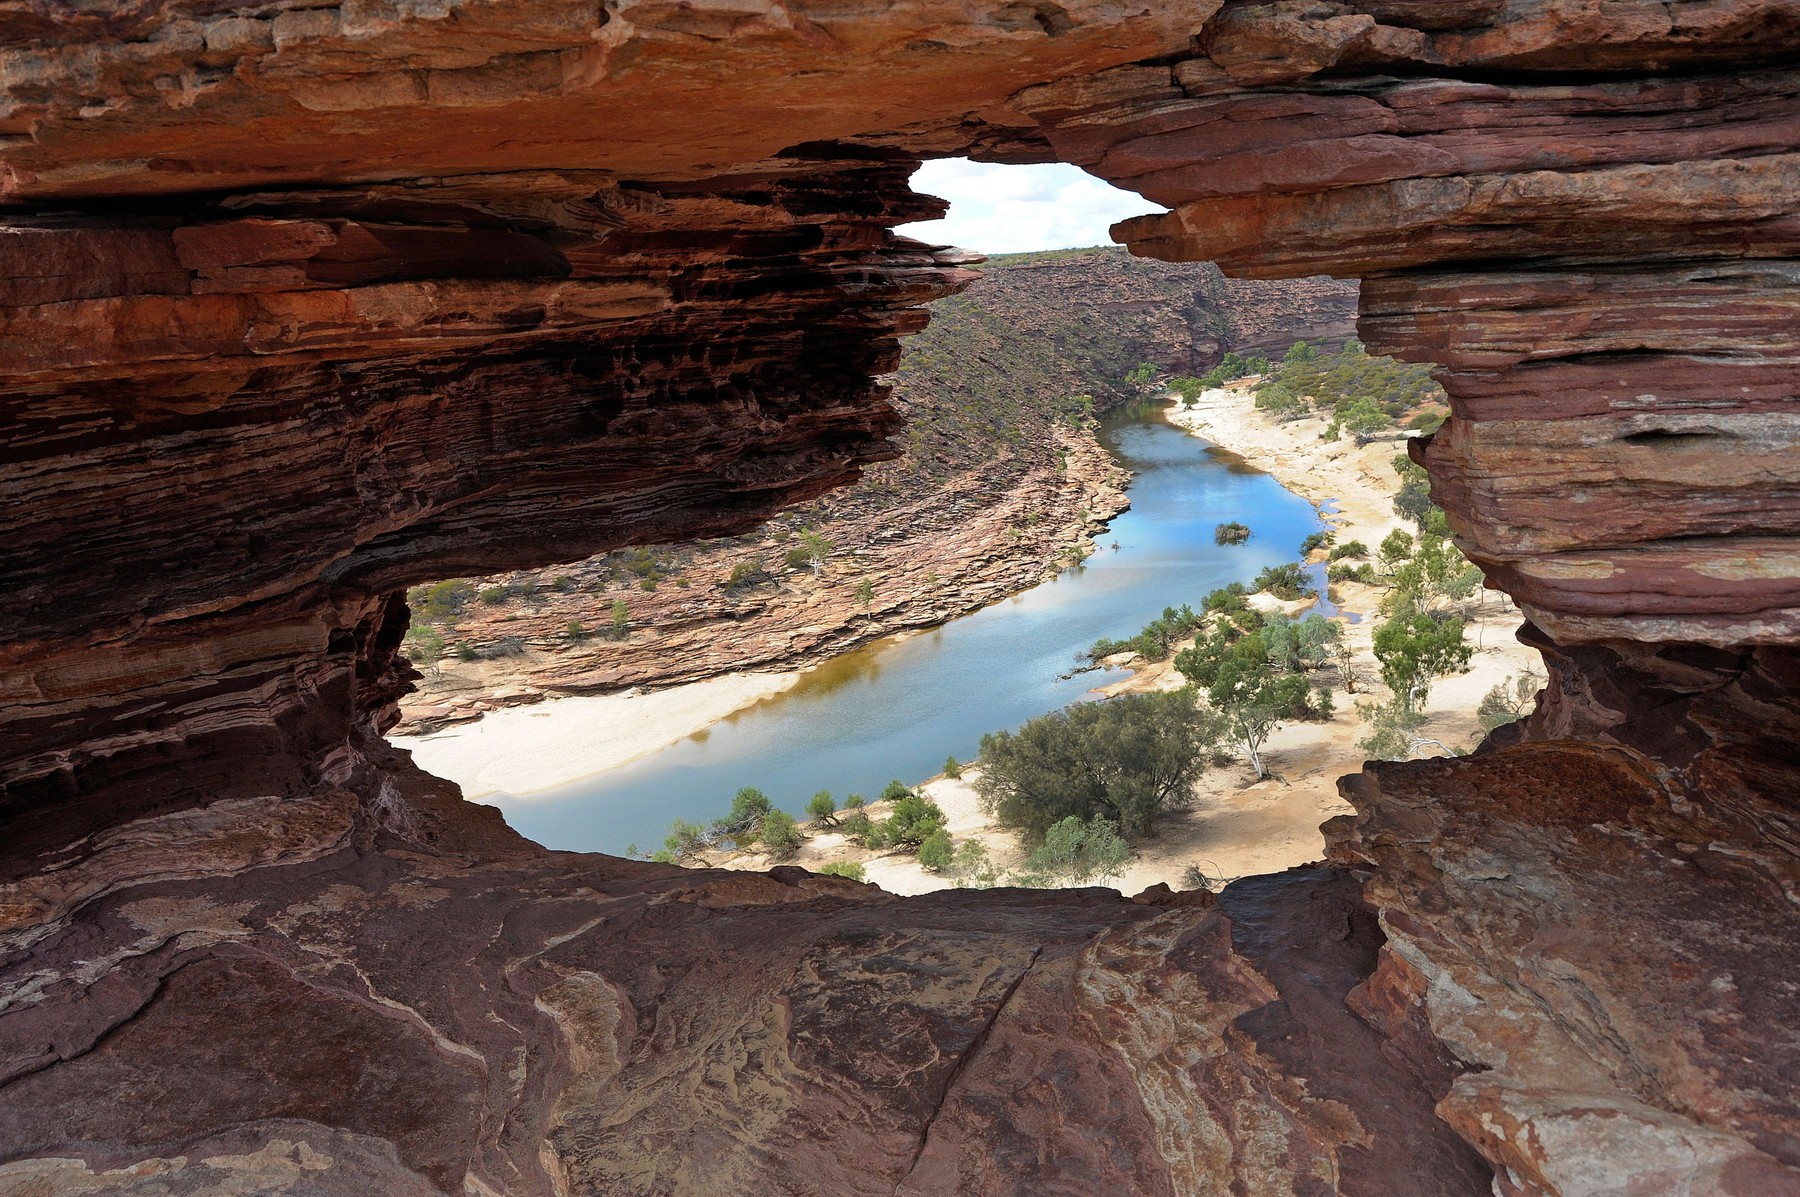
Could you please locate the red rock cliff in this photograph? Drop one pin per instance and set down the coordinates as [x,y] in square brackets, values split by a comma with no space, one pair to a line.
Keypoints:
[302,305]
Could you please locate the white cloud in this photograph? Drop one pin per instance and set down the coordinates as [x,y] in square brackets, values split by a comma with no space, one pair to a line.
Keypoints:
[1014,209]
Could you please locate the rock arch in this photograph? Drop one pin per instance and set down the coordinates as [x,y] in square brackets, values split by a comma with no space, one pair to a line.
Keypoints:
[305,304]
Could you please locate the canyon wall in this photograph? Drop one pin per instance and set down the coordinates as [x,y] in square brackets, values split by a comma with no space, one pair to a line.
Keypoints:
[303,305]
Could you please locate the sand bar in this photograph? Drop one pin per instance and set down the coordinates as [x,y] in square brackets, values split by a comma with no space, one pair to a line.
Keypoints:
[529,750]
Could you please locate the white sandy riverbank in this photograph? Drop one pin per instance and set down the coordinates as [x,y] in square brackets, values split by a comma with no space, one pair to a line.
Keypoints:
[528,750]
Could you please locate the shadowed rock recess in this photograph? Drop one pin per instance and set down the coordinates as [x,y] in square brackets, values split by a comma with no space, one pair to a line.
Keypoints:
[302,304]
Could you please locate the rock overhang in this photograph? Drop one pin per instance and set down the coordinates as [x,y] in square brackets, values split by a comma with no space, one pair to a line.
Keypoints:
[306,304]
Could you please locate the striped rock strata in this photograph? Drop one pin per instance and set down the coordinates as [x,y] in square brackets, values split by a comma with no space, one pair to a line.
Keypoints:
[301,305]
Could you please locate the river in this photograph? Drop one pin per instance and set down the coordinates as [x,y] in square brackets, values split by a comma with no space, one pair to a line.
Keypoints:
[896,708]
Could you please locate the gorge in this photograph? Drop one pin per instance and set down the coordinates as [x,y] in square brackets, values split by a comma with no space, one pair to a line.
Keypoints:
[307,304]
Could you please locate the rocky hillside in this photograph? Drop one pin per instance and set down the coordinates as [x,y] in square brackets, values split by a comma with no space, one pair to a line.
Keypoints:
[999,484]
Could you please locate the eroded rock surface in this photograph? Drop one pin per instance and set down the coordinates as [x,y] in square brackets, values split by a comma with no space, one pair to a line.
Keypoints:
[302,305]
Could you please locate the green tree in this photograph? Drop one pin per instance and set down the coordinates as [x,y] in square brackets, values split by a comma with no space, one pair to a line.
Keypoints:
[1076,853]
[424,645]
[1509,702]
[1252,698]
[857,825]
[936,853]
[685,839]
[1289,581]
[811,551]
[749,807]
[821,808]
[912,821]
[780,835]
[1416,646]
[1129,759]
[973,868]
[1298,645]
[951,767]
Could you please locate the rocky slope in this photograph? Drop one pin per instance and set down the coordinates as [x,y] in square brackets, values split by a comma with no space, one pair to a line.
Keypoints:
[305,305]
[1001,484]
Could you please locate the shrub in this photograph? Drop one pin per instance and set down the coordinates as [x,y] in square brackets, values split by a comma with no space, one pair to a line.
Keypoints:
[685,839]
[1129,759]
[440,601]
[1158,638]
[746,574]
[621,619]
[749,807]
[1288,581]
[972,867]
[466,651]
[1231,533]
[894,791]
[857,826]
[1353,548]
[853,801]
[423,645]
[1427,421]
[493,596]
[576,630]
[564,583]
[935,851]
[1317,540]
[780,834]
[951,768]
[821,808]
[1076,852]
[1345,572]
[914,819]
[850,869]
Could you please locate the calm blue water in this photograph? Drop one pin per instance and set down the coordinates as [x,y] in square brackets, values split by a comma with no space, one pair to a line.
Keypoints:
[896,709]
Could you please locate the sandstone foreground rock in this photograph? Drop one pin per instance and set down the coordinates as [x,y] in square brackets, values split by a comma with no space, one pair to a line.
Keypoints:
[300,306]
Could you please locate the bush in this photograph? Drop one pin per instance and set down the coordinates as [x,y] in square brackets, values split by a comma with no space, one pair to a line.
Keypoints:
[423,645]
[1076,852]
[576,630]
[441,601]
[1344,572]
[1317,540]
[1288,582]
[821,808]
[850,869]
[1427,422]
[857,826]
[951,768]
[973,868]
[621,619]
[914,819]
[1128,759]
[466,651]
[935,852]
[854,801]
[746,574]
[1231,533]
[780,834]
[1157,640]
[493,596]
[894,791]
[684,839]
[749,807]
[1354,548]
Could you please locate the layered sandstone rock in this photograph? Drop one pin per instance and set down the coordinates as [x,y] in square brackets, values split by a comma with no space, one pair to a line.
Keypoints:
[302,305]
